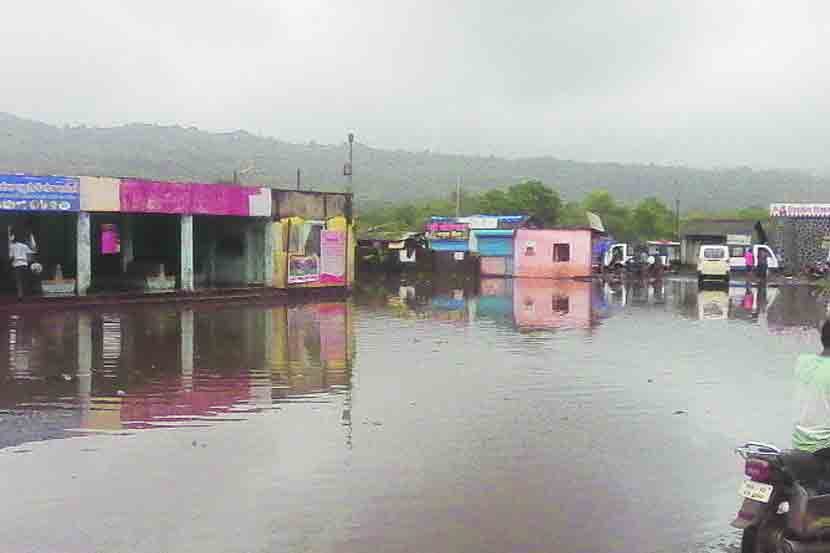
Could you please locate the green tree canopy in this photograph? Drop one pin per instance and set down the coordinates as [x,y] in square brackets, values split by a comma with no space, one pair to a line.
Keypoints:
[652,220]
[530,197]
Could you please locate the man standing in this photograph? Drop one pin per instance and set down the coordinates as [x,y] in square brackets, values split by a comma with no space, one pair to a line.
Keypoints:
[762,265]
[812,396]
[19,254]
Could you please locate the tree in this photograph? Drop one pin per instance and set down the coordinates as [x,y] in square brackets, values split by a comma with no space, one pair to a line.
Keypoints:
[615,216]
[533,198]
[652,220]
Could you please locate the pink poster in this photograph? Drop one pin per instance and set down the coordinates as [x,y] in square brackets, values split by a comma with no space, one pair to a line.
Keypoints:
[333,257]
[110,240]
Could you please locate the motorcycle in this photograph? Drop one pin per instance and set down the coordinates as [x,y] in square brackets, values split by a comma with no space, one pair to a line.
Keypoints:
[786,506]
[818,270]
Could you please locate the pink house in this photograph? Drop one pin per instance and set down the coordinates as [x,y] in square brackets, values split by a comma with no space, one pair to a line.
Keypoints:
[552,253]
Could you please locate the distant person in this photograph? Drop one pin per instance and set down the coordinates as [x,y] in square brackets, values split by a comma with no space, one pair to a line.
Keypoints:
[811,431]
[749,260]
[19,254]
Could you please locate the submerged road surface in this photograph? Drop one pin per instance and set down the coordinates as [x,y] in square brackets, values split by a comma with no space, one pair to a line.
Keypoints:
[524,416]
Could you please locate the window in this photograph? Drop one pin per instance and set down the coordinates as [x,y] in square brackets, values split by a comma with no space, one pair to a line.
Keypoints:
[560,304]
[713,253]
[561,253]
[736,251]
[304,238]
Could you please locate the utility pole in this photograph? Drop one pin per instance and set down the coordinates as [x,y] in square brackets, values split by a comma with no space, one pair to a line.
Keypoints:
[347,170]
[458,196]
[298,179]
[677,218]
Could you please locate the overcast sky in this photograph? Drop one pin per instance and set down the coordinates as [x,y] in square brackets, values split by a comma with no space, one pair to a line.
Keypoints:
[702,83]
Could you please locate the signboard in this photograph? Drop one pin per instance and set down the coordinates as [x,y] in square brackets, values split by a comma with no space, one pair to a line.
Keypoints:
[595,222]
[28,193]
[332,257]
[480,222]
[302,268]
[738,239]
[812,211]
[145,196]
[458,256]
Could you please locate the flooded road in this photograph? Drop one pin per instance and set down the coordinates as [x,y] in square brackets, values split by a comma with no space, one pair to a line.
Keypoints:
[523,416]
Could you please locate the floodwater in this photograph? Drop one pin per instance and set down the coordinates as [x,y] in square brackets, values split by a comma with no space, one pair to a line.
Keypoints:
[522,416]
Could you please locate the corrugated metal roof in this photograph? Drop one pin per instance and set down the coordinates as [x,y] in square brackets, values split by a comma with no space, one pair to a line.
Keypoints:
[717,227]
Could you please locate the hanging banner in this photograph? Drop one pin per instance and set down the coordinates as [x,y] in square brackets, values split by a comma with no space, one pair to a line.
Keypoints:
[302,268]
[28,193]
[333,257]
[812,211]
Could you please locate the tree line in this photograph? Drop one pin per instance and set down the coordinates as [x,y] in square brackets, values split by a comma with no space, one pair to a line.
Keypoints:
[648,219]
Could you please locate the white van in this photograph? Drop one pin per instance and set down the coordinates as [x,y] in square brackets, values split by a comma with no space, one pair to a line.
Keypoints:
[737,252]
[713,263]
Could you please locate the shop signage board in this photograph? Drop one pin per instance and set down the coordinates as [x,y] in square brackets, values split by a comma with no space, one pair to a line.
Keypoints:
[812,211]
[35,193]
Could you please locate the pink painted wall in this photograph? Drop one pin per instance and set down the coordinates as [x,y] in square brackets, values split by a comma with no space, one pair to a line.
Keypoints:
[144,196]
[546,304]
[541,264]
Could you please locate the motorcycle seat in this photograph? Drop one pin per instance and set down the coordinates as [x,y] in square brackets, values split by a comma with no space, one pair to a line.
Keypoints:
[804,466]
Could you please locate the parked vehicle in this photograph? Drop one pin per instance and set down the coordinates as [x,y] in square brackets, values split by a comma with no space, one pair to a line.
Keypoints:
[818,270]
[738,263]
[620,254]
[786,501]
[713,263]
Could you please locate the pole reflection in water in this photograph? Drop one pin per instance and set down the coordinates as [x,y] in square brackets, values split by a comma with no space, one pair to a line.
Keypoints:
[140,369]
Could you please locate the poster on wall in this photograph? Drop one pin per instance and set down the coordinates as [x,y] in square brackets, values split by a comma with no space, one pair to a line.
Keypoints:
[110,240]
[28,193]
[333,257]
[303,268]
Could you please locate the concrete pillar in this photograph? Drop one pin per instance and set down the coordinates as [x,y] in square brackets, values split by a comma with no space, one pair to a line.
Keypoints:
[84,374]
[83,277]
[186,243]
[127,242]
[268,253]
[253,256]
[187,330]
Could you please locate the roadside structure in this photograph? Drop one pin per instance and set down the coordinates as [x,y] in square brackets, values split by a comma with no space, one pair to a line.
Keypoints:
[491,238]
[554,253]
[695,233]
[104,234]
[801,233]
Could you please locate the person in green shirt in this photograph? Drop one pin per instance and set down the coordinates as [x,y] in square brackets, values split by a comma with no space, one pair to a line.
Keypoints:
[812,399]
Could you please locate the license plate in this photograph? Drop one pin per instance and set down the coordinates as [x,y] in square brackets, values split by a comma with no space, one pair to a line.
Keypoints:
[756,491]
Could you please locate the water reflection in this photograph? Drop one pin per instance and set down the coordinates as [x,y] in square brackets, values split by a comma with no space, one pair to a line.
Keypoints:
[529,305]
[71,373]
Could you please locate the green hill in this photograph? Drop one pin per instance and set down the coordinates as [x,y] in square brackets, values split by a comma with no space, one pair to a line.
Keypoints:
[180,153]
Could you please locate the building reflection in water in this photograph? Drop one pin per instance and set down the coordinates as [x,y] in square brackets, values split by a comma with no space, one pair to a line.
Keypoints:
[139,369]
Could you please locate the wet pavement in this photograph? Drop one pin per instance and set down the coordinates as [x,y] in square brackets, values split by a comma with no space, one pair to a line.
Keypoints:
[521,416]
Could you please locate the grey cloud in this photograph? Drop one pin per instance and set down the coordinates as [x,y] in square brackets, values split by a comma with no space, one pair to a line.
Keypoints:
[699,83]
